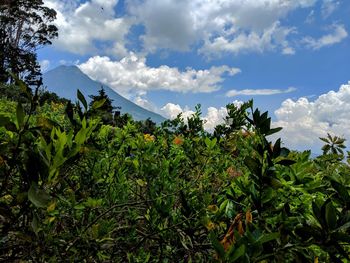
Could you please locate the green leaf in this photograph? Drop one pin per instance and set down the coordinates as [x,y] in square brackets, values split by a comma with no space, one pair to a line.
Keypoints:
[340,236]
[324,139]
[38,197]
[35,224]
[284,152]
[253,165]
[342,191]
[317,213]
[275,183]
[82,99]
[331,215]
[344,227]
[98,104]
[272,131]
[217,245]
[239,252]
[20,115]
[268,237]
[277,148]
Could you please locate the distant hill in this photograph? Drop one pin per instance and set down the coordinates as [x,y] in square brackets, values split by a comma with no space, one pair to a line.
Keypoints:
[65,80]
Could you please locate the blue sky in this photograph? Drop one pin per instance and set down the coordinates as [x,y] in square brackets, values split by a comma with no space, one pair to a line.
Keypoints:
[169,55]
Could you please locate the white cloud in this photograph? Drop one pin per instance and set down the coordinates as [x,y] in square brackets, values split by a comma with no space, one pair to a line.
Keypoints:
[258,92]
[44,65]
[171,111]
[132,75]
[273,37]
[339,34]
[304,121]
[146,104]
[223,25]
[85,26]
[214,27]
[214,117]
[328,7]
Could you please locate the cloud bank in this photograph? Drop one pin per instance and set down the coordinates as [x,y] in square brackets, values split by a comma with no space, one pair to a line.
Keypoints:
[211,27]
[132,75]
[304,121]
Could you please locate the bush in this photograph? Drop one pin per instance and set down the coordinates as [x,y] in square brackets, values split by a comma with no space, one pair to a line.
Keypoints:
[74,189]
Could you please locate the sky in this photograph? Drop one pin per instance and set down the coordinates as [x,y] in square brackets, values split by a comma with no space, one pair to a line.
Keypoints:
[292,57]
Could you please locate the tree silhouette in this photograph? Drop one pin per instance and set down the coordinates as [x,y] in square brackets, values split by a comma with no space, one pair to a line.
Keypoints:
[334,145]
[106,110]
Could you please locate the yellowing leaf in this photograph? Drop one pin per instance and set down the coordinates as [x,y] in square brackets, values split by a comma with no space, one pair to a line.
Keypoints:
[248,217]
[141,182]
[240,228]
[213,208]
[51,207]
[210,225]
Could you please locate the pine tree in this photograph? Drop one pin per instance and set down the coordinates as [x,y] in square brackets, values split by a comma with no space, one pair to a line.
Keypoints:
[106,110]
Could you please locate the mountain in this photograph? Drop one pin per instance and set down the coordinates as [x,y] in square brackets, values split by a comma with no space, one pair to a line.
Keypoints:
[65,80]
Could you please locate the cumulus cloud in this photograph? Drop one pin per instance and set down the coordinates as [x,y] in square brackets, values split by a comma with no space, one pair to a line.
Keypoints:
[337,35]
[131,75]
[258,92]
[271,38]
[213,26]
[171,111]
[91,26]
[223,25]
[146,104]
[304,121]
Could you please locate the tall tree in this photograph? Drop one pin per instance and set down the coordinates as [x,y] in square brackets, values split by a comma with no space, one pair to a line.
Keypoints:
[25,26]
[106,110]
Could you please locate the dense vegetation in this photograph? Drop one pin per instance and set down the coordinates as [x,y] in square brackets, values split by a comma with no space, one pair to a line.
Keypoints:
[79,184]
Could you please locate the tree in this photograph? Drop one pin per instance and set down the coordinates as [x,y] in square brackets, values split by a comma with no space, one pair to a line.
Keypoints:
[235,120]
[334,145]
[25,26]
[106,110]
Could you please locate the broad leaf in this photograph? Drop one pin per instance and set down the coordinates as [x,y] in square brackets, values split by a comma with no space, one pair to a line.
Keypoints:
[268,237]
[82,99]
[38,197]
[98,104]
[239,252]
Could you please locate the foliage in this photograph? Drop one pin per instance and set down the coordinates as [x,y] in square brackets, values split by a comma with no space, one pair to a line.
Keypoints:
[76,189]
[334,145]
[25,25]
